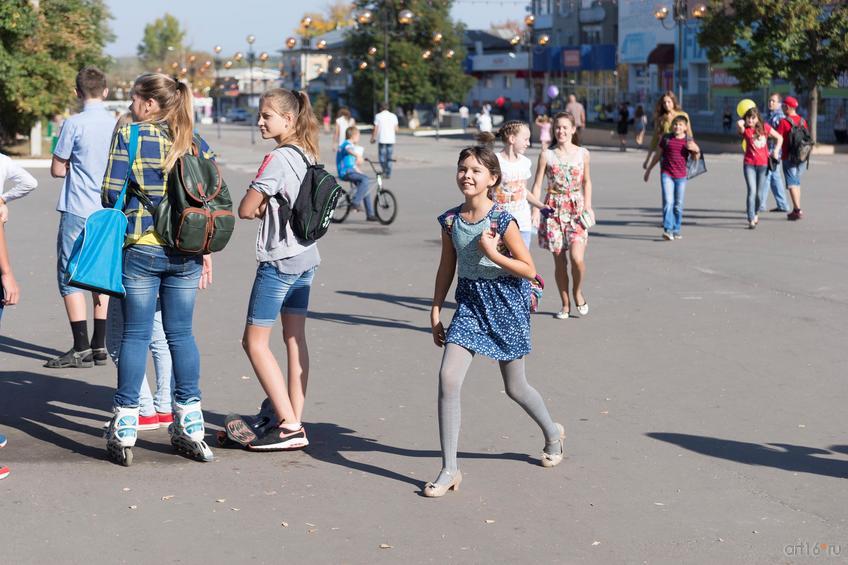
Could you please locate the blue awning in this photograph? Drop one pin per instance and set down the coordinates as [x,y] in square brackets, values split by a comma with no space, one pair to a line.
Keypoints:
[575,58]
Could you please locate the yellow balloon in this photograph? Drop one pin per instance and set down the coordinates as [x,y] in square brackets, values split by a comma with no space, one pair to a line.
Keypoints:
[744,106]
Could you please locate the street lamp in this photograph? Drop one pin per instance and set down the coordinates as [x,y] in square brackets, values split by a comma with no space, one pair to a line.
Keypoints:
[680,15]
[429,54]
[404,17]
[263,58]
[251,58]
[305,48]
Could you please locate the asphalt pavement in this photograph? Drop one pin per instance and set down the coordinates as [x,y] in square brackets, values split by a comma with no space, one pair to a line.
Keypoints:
[703,395]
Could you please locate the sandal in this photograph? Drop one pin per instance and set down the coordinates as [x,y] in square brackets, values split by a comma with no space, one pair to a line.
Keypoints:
[72,359]
[583,308]
[561,315]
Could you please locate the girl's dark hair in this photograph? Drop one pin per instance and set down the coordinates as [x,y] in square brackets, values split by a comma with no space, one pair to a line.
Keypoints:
[759,130]
[296,103]
[511,127]
[570,117]
[486,157]
[660,112]
[343,112]
[640,111]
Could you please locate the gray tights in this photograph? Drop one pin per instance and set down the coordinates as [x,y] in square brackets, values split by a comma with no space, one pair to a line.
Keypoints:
[455,365]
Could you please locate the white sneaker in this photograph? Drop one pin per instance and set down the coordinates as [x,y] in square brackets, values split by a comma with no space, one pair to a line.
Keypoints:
[668,236]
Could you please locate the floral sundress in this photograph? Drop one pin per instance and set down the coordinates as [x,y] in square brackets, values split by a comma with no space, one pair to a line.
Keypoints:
[558,230]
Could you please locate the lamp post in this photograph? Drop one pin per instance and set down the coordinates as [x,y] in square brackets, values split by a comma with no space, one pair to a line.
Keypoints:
[305,48]
[527,39]
[403,17]
[263,58]
[680,15]
[251,58]
[429,54]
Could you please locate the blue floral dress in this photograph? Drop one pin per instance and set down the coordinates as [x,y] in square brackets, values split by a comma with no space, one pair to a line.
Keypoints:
[493,306]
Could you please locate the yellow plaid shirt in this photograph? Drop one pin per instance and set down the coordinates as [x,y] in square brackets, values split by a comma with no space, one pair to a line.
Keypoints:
[147,175]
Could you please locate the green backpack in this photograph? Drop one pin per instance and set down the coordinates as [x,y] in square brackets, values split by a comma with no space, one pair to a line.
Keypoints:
[196,214]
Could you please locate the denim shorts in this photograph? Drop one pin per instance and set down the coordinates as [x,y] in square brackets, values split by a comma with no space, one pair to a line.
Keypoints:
[275,293]
[70,227]
[793,173]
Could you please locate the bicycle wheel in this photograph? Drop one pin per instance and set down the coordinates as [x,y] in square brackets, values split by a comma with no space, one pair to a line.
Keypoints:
[342,208]
[385,207]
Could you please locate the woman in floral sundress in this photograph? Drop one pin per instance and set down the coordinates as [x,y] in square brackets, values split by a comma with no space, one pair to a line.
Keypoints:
[569,194]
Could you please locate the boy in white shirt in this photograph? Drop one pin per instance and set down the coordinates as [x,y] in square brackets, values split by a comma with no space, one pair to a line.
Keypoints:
[384,132]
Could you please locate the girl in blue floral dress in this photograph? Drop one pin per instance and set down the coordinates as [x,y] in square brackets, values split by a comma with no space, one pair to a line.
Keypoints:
[493,309]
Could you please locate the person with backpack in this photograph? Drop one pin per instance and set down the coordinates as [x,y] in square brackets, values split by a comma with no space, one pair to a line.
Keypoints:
[797,146]
[288,259]
[482,242]
[153,263]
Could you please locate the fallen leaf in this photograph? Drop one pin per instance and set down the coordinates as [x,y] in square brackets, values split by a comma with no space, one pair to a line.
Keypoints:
[604,412]
[133,507]
[311,531]
[802,426]
[270,493]
[490,521]
[168,497]
[220,500]
[235,509]
[596,542]
[245,378]
[385,546]
[126,489]
[659,504]
[285,524]
[310,525]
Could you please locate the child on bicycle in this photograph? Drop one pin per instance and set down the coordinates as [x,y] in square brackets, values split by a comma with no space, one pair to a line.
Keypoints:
[286,266]
[493,309]
[348,158]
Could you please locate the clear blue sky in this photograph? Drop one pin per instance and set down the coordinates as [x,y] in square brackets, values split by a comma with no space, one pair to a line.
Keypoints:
[211,22]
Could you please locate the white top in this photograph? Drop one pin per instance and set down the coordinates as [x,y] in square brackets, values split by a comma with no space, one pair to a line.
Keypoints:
[387,123]
[512,193]
[22,183]
[343,124]
[463,111]
[484,122]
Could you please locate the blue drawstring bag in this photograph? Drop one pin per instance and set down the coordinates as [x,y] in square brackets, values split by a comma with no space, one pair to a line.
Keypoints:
[96,261]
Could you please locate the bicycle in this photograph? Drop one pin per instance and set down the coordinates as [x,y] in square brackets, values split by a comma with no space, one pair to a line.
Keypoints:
[385,203]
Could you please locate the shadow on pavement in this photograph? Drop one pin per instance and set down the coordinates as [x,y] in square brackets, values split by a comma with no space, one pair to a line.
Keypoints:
[26,349]
[48,408]
[334,441]
[362,320]
[411,302]
[797,458]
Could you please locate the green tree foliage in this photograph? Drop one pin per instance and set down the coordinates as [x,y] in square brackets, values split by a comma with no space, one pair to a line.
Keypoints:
[803,41]
[41,52]
[158,36]
[412,78]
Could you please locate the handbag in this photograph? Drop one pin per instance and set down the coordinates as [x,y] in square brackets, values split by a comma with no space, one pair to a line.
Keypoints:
[585,220]
[96,261]
[695,167]
[773,163]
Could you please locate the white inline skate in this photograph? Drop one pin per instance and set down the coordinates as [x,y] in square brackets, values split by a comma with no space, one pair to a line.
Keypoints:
[121,435]
[187,431]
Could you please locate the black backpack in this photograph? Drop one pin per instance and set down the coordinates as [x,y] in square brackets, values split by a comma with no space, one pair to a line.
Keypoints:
[313,208]
[196,214]
[800,142]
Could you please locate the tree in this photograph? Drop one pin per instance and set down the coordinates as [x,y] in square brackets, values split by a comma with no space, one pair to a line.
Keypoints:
[41,51]
[162,37]
[802,41]
[413,79]
[338,15]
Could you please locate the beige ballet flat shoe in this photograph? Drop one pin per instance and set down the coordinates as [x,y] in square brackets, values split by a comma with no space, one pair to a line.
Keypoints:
[433,490]
[554,459]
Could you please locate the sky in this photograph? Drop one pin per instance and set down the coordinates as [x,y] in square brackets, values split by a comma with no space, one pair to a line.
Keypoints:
[227,23]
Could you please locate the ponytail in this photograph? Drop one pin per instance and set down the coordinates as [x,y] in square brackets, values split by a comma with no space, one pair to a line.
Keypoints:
[284,101]
[486,139]
[306,126]
[175,103]
[181,125]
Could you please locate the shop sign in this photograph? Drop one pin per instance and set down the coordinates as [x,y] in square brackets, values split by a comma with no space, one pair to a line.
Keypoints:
[571,58]
[721,78]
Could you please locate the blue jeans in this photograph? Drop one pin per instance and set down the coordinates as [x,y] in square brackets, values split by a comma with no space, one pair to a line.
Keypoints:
[774,180]
[672,202]
[149,271]
[148,403]
[755,178]
[70,227]
[385,150]
[361,182]
[275,293]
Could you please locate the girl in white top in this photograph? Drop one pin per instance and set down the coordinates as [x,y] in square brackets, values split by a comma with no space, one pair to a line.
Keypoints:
[512,194]
[22,183]
[343,121]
